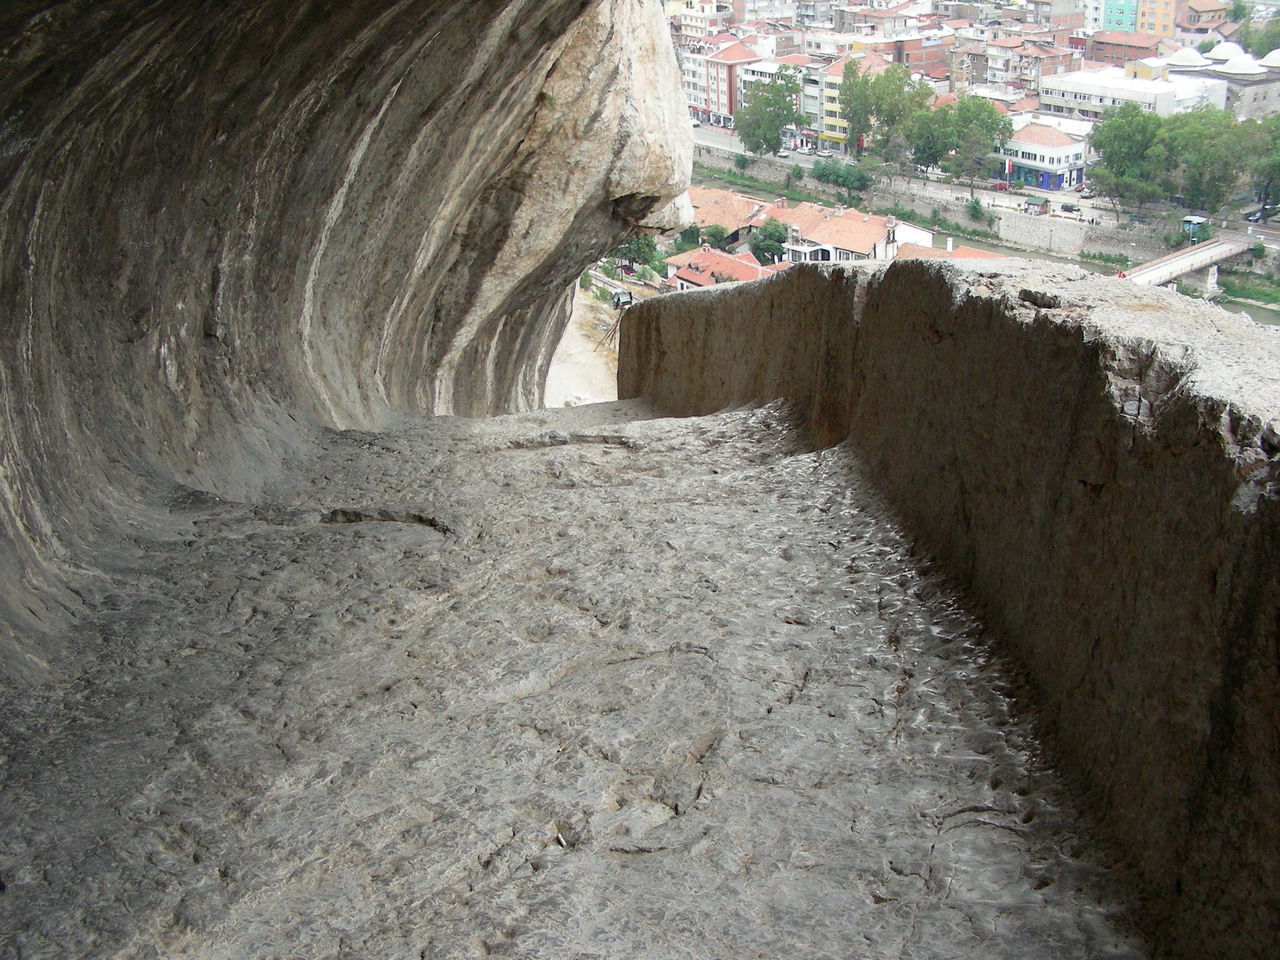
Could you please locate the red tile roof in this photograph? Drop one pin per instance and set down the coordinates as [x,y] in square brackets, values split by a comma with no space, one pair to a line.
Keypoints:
[1127,38]
[735,53]
[706,266]
[1043,135]
[730,210]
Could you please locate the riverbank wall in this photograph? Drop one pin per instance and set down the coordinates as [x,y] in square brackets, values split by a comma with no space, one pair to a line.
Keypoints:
[1060,235]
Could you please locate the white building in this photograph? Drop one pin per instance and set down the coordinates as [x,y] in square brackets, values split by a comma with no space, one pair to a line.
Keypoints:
[813,11]
[745,11]
[1087,93]
[1044,156]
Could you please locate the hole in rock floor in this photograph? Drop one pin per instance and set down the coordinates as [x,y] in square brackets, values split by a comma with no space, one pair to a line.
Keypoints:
[575,683]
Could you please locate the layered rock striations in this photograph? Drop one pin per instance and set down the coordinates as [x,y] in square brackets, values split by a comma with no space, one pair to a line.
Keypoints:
[224,223]
[1099,464]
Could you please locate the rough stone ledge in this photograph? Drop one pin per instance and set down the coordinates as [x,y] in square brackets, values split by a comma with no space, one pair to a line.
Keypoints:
[1097,462]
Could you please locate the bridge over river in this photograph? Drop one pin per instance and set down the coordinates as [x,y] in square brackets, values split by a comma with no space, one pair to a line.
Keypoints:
[1162,270]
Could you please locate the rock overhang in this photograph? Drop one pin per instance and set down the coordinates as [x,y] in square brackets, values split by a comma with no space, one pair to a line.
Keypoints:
[224,226]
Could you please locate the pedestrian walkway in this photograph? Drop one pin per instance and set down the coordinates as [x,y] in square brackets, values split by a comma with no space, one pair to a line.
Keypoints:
[576,683]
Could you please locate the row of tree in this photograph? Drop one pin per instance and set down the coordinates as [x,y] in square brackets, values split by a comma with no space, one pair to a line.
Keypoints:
[891,107]
[1201,157]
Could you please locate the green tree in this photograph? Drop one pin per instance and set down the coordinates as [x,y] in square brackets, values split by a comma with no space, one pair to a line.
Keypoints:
[1205,159]
[636,250]
[716,236]
[979,129]
[766,243]
[857,103]
[931,135]
[1131,157]
[767,107]
[1266,158]
[895,96]
[1239,11]
[1261,40]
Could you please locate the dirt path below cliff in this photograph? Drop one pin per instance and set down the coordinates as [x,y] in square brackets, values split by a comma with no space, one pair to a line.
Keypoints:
[585,366]
[576,683]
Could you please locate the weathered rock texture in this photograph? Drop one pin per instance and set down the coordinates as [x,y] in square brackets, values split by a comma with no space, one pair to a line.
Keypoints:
[224,222]
[564,684]
[1098,464]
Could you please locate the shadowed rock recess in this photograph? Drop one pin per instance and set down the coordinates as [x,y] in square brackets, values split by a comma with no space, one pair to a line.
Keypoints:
[316,640]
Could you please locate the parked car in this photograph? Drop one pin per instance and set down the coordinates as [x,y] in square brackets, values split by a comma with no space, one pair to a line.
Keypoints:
[998,185]
[1079,187]
[1256,217]
[697,123]
[807,151]
[1070,208]
[1086,194]
[825,153]
[782,153]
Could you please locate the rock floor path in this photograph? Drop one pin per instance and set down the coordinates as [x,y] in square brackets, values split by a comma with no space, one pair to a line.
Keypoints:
[572,684]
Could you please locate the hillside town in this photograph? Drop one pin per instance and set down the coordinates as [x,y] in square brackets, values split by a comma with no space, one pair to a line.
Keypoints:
[1061,58]
[1126,110]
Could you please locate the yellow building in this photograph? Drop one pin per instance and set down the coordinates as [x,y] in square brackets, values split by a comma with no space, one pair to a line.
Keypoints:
[1158,17]
[834,129]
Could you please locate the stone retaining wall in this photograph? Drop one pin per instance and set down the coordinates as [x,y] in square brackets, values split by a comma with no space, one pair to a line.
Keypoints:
[1060,235]
[1098,463]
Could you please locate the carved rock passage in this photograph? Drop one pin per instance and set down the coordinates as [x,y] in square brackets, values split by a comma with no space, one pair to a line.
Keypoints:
[564,684]
[1099,465]
[222,223]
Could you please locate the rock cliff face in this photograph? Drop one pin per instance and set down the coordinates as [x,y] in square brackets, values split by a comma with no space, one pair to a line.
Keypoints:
[224,223]
[1100,465]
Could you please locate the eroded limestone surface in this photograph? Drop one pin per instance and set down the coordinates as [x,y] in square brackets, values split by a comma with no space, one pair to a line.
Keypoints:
[565,684]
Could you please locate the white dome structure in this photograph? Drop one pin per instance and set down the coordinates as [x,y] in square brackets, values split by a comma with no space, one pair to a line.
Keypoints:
[1188,57]
[1242,66]
[1225,51]
[1272,60]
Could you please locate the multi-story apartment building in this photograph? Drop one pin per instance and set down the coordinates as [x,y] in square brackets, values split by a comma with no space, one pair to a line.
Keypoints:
[1085,94]
[834,131]
[813,11]
[1067,14]
[745,11]
[1120,15]
[913,46]
[967,63]
[1158,17]
[1018,63]
[827,44]
[1091,15]
[724,85]
[702,19]
[1118,47]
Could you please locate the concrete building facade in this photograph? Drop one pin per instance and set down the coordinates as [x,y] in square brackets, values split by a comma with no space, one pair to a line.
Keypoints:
[1087,93]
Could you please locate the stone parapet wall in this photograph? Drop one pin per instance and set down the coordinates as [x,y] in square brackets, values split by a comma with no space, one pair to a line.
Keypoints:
[1097,463]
